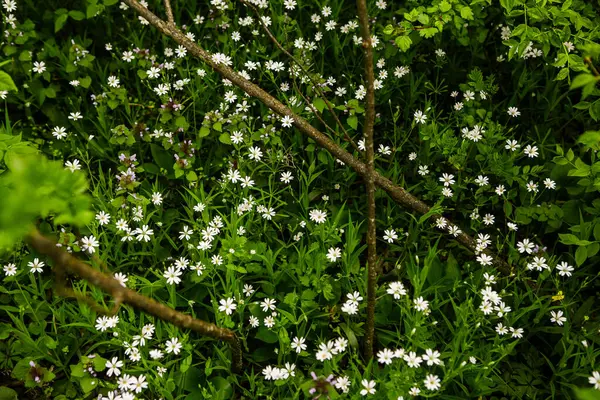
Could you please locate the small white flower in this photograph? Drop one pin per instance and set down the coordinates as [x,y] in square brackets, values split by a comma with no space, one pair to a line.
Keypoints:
[227,305]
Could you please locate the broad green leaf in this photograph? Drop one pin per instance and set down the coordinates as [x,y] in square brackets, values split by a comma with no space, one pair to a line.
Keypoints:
[60,21]
[353,122]
[403,42]
[6,82]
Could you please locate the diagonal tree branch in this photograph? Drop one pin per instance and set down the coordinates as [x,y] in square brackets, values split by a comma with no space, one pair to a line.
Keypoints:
[397,193]
[66,263]
[363,20]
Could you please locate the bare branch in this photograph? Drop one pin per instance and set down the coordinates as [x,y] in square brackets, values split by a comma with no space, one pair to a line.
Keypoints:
[363,20]
[170,18]
[397,193]
[66,263]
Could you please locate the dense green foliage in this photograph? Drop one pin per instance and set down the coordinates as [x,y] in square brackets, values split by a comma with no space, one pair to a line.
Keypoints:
[207,201]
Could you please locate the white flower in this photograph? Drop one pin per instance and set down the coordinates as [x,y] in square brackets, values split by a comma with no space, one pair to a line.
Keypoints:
[390,235]
[525,246]
[143,233]
[318,216]
[369,387]
[343,383]
[157,198]
[39,67]
[89,244]
[172,275]
[10,269]
[396,289]
[113,81]
[512,145]
[287,121]
[298,344]
[333,254]
[253,321]
[432,357]
[513,112]
[385,356]
[420,118]
[557,317]
[412,360]
[103,218]
[173,346]
[227,305]
[36,265]
[549,183]
[268,304]
[595,380]
[286,177]
[59,132]
[447,179]
[531,151]
[113,367]
[421,304]
[423,170]
[432,382]
[564,269]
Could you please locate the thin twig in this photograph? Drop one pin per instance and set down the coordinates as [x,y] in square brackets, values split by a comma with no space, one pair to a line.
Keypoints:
[65,262]
[306,72]
[313,109]
[397,193]
[363,20]
[170,18]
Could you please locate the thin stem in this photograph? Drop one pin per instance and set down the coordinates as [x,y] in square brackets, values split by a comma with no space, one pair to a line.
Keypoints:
[66,263]
[363,20]
[397,193]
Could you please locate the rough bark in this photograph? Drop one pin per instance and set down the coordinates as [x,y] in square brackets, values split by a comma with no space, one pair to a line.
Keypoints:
[369,123]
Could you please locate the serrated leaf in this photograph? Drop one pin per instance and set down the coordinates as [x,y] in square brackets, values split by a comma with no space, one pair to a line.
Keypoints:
[403,42]
[466,13]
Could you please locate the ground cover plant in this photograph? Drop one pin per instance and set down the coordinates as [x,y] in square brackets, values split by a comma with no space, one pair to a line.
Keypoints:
[293,199]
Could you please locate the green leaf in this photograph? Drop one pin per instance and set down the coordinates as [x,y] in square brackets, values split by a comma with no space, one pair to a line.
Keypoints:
[204,131]
[85,82]
[403,42]
[77,15]
[225,138]
[181,122]
[6,82]
[319,104]
[466,13]
[161,157]
[217,126]
[353,122]
[445,6]
[266,335]
[590,139]
[60,21]
[7,393]
[570,239]
[562,74]
[582,80]
[580,255]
